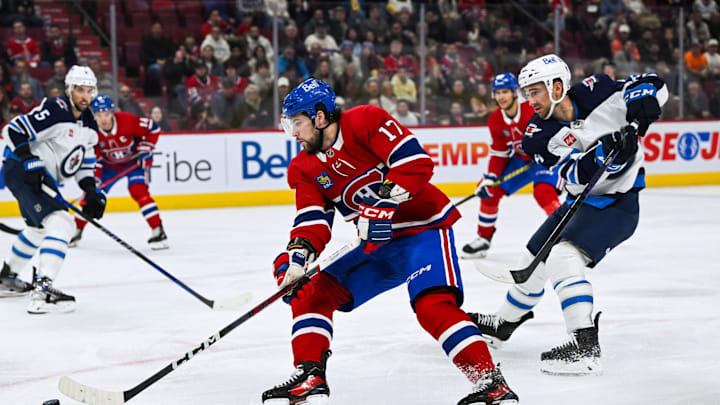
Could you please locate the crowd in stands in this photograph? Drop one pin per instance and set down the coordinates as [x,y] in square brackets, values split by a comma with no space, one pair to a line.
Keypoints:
[218,74]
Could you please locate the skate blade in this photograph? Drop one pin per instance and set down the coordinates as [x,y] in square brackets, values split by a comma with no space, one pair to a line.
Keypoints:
[11,294]
[493,342]
[473,256]
[578,368]
[310,400]
[159,245]
[45,308]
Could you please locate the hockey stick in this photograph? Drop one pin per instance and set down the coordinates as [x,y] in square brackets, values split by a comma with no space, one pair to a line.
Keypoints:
[522,275]
[228,303]
[9,229]
[94,396]
[111,180]
[497,182]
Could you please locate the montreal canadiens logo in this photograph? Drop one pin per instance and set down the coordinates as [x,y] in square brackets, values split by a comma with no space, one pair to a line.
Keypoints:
[71,164]
[688,146]
[366,185]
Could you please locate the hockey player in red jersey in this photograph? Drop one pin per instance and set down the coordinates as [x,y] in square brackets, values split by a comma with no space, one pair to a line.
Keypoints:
[126,140]
[507,125]
[374,172]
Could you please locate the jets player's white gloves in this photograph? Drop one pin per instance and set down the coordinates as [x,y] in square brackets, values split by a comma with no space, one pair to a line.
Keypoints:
[289,267]
[485,186]
[144,153]
[34,167]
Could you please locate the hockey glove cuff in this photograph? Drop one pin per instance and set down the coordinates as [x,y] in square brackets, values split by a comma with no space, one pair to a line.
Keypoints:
[484,188]
[375,222]
[33,166]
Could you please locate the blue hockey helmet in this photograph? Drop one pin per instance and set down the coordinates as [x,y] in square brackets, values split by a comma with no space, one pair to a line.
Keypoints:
[504,81]
[102,102]
[304,98]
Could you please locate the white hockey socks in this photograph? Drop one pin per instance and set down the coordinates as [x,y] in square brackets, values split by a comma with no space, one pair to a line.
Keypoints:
[521,298]
[59,228]
[24,247]
[565,268]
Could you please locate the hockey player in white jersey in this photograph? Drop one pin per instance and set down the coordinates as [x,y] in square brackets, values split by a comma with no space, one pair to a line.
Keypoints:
[575,128]
[53,142]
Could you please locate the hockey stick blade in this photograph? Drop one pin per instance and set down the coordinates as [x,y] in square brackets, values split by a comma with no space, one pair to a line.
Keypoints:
[232,303]
[499,274]
[89,395]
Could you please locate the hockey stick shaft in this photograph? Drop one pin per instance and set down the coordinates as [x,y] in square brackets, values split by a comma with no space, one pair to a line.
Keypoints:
[522,275]
[507,177]
[111,180]
[53,194]
[95,396]
[9,229]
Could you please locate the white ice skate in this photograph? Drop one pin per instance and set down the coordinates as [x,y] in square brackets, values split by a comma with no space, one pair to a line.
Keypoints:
[46,299]
[476,249]
[158,239]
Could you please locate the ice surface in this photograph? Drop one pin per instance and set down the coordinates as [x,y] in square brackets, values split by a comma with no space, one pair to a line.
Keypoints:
[658,292]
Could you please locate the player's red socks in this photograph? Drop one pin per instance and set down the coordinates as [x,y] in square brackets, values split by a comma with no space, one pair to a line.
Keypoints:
[312,327]
[488,213]
[439,314]
[546,196]
[140,193]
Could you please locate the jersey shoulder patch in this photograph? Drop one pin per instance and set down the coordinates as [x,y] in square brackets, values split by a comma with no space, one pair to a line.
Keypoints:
[593,91]
[537,136]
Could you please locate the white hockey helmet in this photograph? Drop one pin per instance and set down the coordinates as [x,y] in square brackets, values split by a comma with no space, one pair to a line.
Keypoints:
[546,69]
[80,76]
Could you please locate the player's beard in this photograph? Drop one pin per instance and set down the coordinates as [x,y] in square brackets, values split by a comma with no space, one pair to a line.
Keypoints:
[314,145]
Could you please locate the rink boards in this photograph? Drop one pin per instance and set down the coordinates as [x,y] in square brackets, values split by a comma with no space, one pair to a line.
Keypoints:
[224,169]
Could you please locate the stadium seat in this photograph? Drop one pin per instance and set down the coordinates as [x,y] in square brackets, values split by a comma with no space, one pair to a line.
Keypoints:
[42,74]
[137,6]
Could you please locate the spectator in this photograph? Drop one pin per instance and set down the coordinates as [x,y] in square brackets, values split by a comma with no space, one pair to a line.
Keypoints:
[609,69]
[451,59]
[715,101]
[371,91]
[668,44]
[457,114]
[479,111]
[406,37]
[57,47]
[156,114]
[254,112]
[155,50]
[214,19]
[318,18]
[283,85]
[254,39]
[354,38]
[481,71]
[324,72]
[21,75]
[697,29]
[707,9]
[25,100]
[609,8]
[262,78]
[351,84]
[127,102]
[345,57]
[459,93]
[174,73]
[104,80]
[326,42]
[58,77]
[208,58]
[25,12]
[259,57]
[404,116]
[626,61]
[238,56]
[22,47]
[370,62]
[388,101]
[201,119]
[376,24]
[216,40]
[435,82]
[192,50]
[338,24]
[403,86]
[239,82]
[291,39]
[713,58]
[695,61]
[696,102]
[289,61]
[398,6]
[395,59]
[225,102]
[201,86]
[4,107]
[643,45]
[618,44]
[340,103]
[597,44]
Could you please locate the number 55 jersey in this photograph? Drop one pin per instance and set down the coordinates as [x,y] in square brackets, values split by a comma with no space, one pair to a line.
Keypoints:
[370,146]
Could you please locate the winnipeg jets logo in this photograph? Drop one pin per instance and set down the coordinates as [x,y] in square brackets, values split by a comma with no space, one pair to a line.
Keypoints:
[589,82]
[71,163]
[531,130]
[62,103]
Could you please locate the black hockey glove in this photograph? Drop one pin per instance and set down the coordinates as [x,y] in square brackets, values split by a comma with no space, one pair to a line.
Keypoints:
[34,167]
[626,140]
[94,199]
[645,111]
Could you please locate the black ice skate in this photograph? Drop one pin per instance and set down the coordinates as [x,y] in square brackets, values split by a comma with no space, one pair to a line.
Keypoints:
[477,248]
[44,298]
[158,239]
[10,285]
[496,330]
[579,356]
[307,385]
[76,238]
[491,389]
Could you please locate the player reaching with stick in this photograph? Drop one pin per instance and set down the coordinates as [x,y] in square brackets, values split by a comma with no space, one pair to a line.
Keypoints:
[53,142]
[574,129]
[373,171]
[126,140]
[507,125]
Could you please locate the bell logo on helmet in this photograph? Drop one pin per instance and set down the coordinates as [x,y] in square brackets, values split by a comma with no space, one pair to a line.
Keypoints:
[549,59]
[309,86]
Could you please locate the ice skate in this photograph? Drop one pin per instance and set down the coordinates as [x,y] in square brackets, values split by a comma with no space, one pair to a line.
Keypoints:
[495,330]
[11,285]
[477,248]
[46,299]
[579,356]
[491,389]
[76,238]
[307,386]
[158,239]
